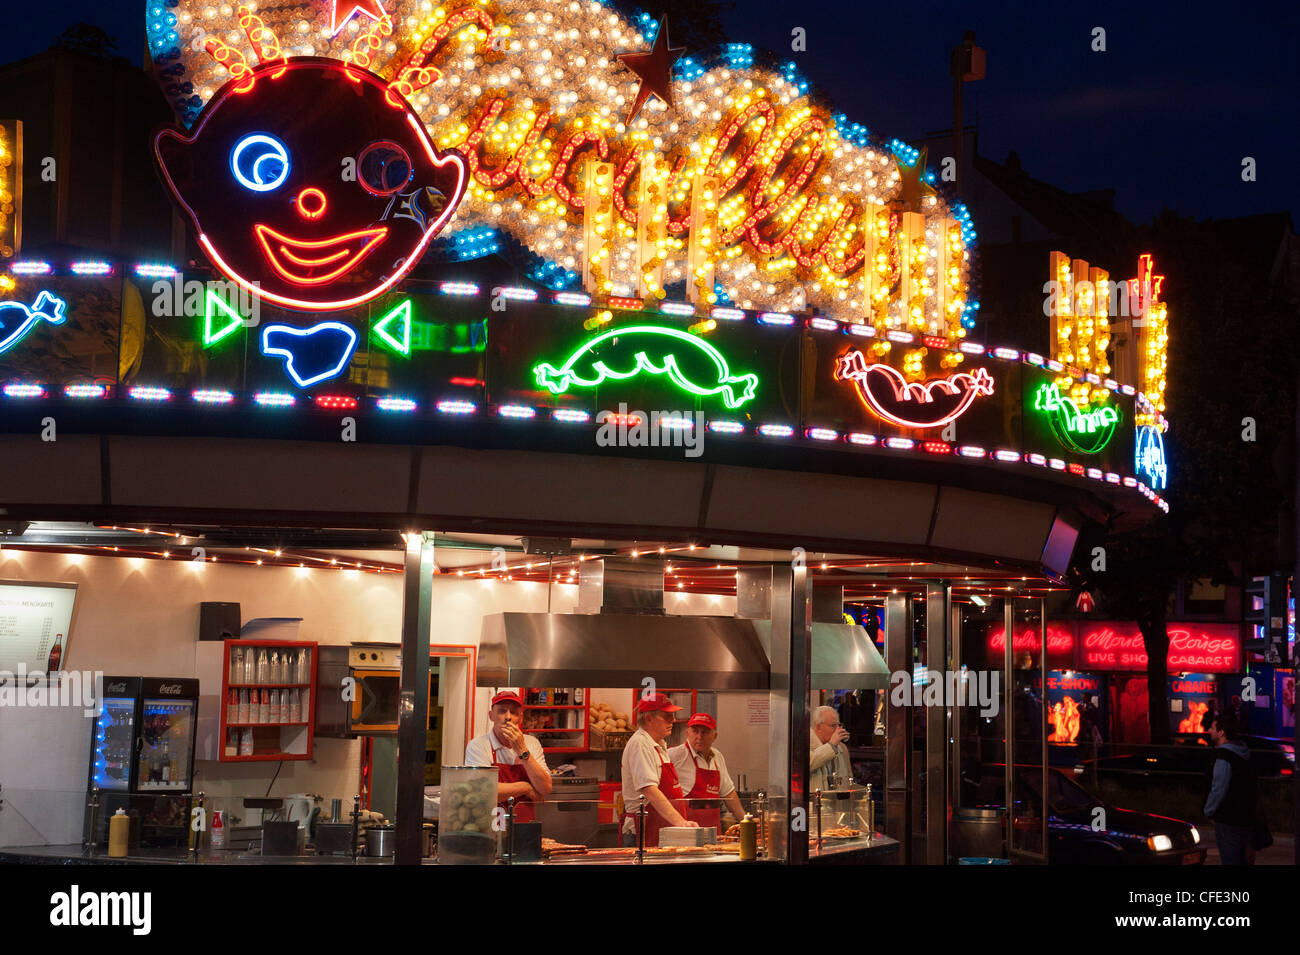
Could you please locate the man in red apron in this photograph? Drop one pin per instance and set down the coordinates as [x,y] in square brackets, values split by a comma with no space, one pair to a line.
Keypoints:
[702,772]
[648,771]
[521,765]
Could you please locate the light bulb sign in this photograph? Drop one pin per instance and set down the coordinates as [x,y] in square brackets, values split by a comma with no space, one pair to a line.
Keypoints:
[718,163]
[260,179]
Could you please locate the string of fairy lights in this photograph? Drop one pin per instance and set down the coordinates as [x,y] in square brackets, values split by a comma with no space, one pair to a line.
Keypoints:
[688,575]
[809,211]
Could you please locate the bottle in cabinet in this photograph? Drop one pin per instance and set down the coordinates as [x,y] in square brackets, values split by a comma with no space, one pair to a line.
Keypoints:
[243,707]
[236,665]
[246,742]
[232,707]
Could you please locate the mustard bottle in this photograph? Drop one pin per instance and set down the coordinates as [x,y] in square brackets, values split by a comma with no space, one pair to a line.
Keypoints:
[119,829]
[748,838]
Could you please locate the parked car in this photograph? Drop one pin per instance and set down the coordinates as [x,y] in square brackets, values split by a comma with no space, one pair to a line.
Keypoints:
[1077,832]
[1192,753]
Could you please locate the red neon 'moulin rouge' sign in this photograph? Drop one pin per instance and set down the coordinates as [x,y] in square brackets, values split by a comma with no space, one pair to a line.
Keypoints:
[1199,647]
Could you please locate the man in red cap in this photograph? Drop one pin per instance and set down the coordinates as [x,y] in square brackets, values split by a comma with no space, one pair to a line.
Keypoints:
[521,766]
[702,773]
[648,771]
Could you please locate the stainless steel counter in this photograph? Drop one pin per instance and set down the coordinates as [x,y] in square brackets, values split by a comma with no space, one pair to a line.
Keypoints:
[75,855]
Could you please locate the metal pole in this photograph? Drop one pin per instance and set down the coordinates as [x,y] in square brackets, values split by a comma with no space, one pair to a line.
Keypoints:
[1042,718]
[898,725]
[957,129]
[791,616]
[936,725]
[1008,715]
[954,646]
[413,706]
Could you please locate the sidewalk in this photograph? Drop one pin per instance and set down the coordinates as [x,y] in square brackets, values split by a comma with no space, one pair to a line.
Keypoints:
[1281,852]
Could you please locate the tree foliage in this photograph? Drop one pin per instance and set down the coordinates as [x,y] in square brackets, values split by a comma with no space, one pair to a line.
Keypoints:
[89,39]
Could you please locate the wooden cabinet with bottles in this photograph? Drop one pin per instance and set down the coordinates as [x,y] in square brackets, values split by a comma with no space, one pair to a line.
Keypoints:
[268,700]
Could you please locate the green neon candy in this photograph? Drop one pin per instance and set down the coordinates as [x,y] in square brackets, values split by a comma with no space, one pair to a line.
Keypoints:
[1087,432]
[691,363]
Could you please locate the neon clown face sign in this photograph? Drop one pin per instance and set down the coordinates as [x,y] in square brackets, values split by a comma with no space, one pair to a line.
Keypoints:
[310,184]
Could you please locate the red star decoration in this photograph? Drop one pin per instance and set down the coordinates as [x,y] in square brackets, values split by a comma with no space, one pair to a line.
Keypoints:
[654,70]
[344,9]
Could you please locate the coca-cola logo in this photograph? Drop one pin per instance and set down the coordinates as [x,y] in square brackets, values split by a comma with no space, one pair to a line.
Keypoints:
[174,688]
[116,688]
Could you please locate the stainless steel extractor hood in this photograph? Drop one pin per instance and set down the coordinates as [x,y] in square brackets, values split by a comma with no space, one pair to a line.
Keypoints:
[843,655]
[629,639]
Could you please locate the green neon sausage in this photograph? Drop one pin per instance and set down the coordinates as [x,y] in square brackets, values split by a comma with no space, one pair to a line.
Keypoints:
[691,363]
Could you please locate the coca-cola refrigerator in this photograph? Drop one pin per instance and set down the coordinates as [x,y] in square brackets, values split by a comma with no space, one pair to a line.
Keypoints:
[142,757]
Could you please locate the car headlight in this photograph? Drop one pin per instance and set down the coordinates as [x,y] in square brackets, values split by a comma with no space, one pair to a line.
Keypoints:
[1196,836]
[1159,843]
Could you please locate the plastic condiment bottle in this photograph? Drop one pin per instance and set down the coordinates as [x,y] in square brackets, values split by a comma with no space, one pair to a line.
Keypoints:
[748,838]
[119,829]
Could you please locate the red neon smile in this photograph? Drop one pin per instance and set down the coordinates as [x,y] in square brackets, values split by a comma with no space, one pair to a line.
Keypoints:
[343,252]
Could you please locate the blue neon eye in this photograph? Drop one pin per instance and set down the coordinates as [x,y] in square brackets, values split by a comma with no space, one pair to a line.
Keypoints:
[260,162]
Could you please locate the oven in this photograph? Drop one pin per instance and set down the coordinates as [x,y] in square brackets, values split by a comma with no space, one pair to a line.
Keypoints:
[360,688]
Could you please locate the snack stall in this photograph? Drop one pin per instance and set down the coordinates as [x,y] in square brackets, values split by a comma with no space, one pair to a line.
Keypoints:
[518,365]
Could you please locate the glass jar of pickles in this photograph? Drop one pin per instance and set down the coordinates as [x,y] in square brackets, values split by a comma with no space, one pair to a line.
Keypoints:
[467,821]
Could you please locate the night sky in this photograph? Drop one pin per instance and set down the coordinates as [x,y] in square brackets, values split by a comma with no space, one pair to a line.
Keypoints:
[1164,117]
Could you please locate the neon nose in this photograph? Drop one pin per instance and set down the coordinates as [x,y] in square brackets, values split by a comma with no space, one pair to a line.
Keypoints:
[311,203]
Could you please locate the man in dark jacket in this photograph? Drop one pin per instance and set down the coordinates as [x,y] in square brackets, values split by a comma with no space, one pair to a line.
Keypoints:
[1233,793]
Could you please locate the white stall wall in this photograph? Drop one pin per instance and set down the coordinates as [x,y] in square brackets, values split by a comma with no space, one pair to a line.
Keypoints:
[743,735]
[138,617]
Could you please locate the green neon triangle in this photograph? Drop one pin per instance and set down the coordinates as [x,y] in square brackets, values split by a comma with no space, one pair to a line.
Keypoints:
[402,313]
[213,303]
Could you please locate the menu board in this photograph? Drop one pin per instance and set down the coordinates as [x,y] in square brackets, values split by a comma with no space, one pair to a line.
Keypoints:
[34,619]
